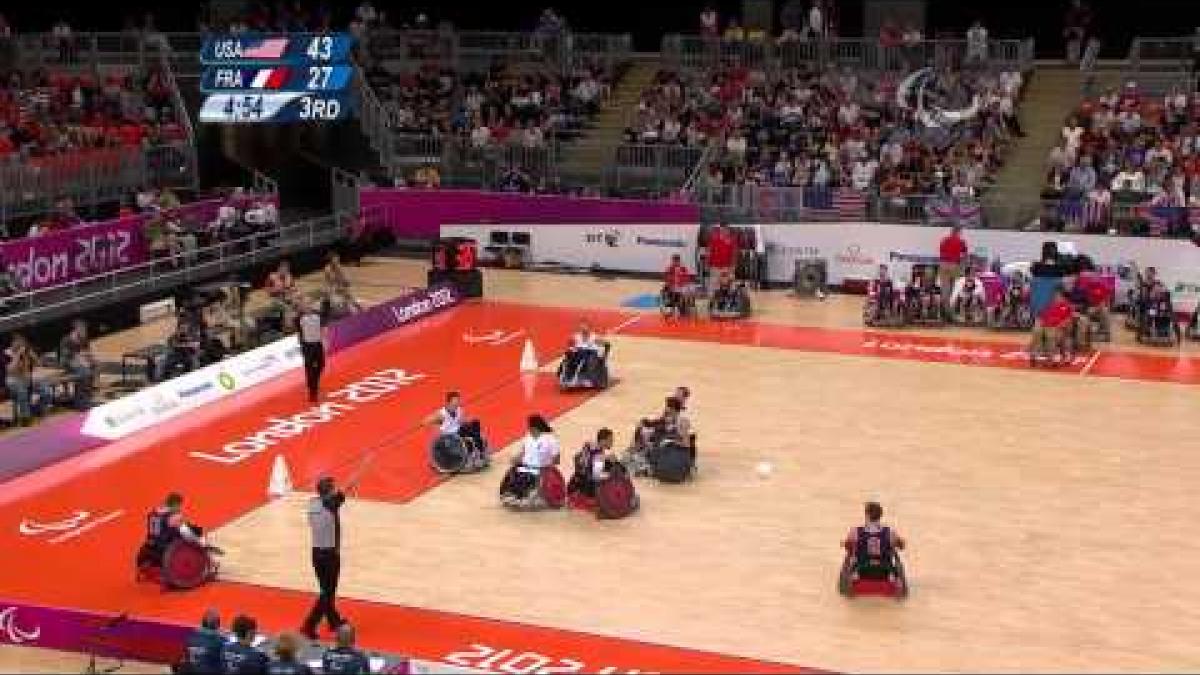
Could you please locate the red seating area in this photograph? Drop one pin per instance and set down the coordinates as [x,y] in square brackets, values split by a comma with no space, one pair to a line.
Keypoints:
[64,120]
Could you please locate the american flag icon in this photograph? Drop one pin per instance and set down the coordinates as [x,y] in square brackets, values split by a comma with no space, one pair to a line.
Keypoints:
[271,48]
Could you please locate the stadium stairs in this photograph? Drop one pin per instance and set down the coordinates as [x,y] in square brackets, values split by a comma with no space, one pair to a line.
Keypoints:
[586,161]
[1052,92]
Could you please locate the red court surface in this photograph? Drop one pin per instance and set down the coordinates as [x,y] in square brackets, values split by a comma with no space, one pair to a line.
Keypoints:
[97,500]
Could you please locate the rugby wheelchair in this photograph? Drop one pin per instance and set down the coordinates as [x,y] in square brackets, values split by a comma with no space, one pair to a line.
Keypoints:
[1156,322]
[924,306]
[611,498]
[665,457]
[677,303]
[858,579]
[730,303]
[527,489]
[1193,327]
[587,370]
[1013,312]
[881,312]
[459,453]
[1051,346]
[969,311]
[181,566]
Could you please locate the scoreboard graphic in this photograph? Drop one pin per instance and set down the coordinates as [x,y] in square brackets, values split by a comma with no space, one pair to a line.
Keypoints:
[276,79]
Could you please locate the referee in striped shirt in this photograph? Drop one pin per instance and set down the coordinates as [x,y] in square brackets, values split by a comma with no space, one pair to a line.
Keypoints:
[325,521]
[312,349]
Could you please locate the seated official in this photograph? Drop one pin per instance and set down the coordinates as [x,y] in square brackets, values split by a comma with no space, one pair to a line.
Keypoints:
[1052,328]
[539,450]
[344,659]
[79,362]
[873,547]
[584,349]
[164,525]
[286,661]
[183,349]
[202,651]
[592,464]
[241,657]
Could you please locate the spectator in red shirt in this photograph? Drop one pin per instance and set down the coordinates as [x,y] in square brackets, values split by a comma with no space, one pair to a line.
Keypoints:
[722,253]
[1050,329]
[952,254]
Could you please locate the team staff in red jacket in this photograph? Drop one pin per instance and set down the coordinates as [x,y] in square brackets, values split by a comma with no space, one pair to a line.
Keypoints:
[722,253]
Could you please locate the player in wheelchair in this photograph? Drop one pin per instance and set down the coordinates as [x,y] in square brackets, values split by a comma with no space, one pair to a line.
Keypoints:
[585,365]
[678,295]
[885,306]
[1139,296]
[1054,330]
[1090,302]
[730,299]
[1013,310]
[872,564]
[1157,325]
[533,482]
[1193,327]
[600,482]
[968,300]
[175,552]
[459,446]
[923,299]
[664,447]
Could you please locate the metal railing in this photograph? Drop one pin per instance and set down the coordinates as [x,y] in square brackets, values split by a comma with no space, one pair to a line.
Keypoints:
[163,274]
[1153,53]
[695,51]
[659,166]
[30,187]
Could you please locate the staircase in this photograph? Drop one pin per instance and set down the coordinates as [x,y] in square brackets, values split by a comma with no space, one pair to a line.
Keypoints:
[1052,93]
[585,160]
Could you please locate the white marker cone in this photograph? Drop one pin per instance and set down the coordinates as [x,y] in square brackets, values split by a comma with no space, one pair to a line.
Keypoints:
[281,478]
[529,362]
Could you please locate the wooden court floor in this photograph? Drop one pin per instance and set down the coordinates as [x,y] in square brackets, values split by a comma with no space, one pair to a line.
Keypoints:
[1047,514]
[1039,509]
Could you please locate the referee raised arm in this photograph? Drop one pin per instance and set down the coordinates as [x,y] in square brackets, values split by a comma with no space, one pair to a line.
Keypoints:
[325,521]
[312,348]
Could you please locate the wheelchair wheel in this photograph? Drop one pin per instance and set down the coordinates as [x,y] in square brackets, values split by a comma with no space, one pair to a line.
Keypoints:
[449,454]
[615,497]
[186,565]
[672,463]
[666,305]
[552,487]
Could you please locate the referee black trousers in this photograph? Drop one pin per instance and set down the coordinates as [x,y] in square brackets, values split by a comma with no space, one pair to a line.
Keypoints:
[314,365]
[327,563]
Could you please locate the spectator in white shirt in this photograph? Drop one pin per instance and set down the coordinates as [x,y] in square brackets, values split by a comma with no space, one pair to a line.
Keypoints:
[481,136]
[862,175]
[816,21]
[736,146]
[977,43]
[1130,179]
[1072,135]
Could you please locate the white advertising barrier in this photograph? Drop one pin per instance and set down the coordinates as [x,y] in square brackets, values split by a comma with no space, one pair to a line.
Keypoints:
[161,402]
[855,251]
[622,248]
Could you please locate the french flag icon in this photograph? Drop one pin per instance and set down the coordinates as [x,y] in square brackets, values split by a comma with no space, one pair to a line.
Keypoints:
[269,78]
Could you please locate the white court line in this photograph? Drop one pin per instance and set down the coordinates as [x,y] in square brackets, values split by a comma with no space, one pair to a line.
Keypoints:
[626,323]
[1090,362]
